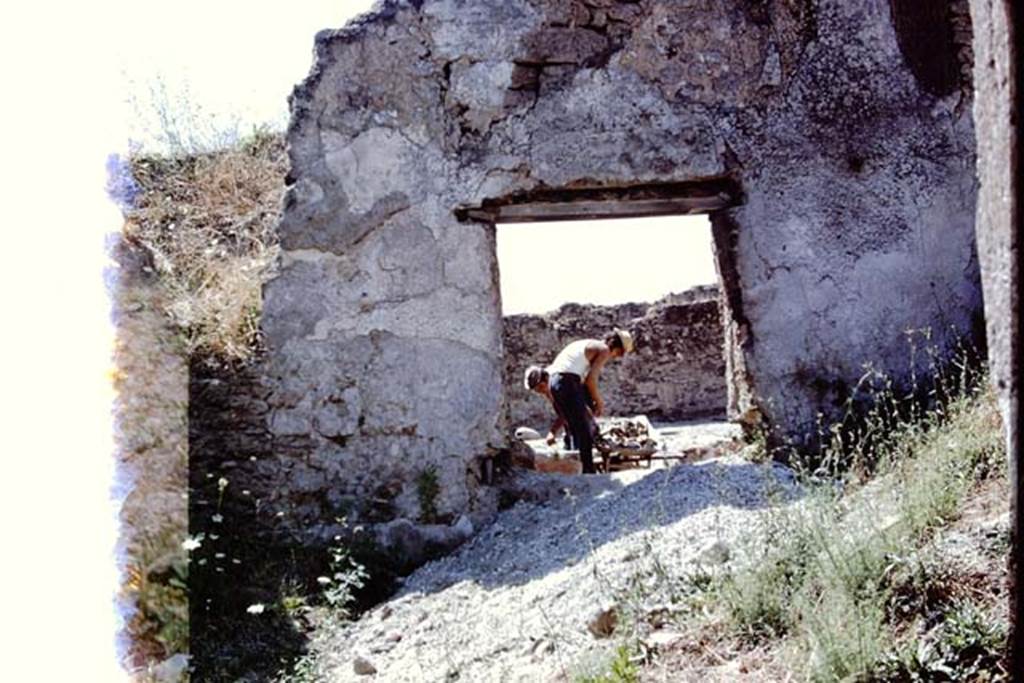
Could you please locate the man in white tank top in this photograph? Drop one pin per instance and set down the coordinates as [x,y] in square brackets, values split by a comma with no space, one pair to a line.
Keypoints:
[570,383]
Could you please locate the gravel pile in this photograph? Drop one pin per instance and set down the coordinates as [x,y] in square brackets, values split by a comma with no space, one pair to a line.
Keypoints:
[535,596]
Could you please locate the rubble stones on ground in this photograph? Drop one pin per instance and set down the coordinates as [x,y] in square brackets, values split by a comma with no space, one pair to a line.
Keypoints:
[715,553]
[362,666]
[627,435]
[416,543]
[603,621]
[541,570]
[663,639]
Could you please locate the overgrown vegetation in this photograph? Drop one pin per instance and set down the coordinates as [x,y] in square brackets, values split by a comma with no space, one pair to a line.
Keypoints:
[880,418]
[170,118]
[258,593]
[207,222]
[851,583]
[346,577]
[203,218]
[158,582]
[152,454]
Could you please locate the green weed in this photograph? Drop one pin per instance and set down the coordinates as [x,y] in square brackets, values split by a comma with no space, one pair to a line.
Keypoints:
[967,645]
[347,576]
[428,488]
[837,574]
[621,669]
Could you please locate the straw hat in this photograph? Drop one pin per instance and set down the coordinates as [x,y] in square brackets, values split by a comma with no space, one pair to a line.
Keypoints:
[627,340]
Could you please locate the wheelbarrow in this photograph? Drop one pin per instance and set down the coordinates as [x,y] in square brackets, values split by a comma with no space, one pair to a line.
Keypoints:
[626,442]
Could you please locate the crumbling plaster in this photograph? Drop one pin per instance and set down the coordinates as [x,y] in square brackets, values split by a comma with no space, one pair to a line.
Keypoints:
[384,323]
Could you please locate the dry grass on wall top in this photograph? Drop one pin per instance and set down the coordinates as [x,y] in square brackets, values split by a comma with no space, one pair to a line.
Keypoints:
[207,221]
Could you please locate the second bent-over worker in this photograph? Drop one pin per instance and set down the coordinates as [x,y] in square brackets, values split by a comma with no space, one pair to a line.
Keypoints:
[570,383]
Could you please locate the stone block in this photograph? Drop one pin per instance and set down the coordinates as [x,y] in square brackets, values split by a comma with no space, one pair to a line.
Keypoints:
[558,45]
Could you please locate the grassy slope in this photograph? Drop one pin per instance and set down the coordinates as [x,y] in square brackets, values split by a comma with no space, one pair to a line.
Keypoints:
[898,578]
[208,222]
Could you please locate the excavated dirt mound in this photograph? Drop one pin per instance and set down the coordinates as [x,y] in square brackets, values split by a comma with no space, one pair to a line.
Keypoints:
[538,594]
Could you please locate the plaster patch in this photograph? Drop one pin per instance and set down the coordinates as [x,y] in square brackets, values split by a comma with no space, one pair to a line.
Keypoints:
[369,167]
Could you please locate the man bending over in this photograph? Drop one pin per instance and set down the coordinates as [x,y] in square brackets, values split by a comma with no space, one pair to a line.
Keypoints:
[571,380]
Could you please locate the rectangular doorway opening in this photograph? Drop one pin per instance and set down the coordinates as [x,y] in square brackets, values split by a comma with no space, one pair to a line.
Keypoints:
[578,268]
[655,276]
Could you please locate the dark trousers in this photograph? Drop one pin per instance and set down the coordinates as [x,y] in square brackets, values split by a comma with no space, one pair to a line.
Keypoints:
[571,399]
[570,443]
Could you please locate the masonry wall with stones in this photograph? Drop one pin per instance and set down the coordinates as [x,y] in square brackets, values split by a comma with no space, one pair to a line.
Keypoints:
[677,372]
[999,44]
[854,154]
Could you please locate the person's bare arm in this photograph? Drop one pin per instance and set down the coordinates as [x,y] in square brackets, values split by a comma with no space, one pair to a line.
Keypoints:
[556,427]
[598,354]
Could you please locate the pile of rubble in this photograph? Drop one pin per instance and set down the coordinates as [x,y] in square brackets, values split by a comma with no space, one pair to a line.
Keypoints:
[544,592]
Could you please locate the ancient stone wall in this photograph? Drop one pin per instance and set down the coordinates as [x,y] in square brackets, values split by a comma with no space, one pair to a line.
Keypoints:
[855,222]
[999,43]
[677,372]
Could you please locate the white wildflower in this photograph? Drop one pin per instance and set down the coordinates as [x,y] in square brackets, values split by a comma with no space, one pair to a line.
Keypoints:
[217,519]
[191,543]
[222,484]
[323,580]
[255,609]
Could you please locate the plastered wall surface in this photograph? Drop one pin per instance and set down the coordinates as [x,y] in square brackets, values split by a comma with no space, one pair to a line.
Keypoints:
[997,74]
[856,164]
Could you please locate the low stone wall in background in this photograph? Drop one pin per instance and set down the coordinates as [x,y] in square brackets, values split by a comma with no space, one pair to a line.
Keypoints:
[677,372]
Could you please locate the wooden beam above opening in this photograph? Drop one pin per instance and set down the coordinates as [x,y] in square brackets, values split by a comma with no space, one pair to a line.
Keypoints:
[596,203]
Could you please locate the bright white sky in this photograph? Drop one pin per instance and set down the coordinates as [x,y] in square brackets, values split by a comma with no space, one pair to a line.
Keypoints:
[227,61]
[76,75]
[601,262]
